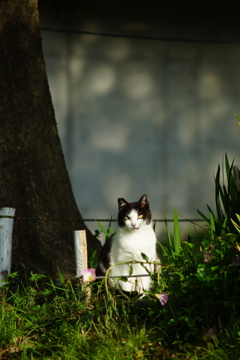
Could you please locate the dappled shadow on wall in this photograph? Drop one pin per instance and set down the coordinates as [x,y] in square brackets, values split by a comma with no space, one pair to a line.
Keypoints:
[141,117]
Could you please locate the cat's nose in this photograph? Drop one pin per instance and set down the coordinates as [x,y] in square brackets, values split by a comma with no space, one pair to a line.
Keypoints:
[134,225]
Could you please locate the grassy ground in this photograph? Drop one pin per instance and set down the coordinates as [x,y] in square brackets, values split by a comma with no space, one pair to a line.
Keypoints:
[199,320]
[58,322]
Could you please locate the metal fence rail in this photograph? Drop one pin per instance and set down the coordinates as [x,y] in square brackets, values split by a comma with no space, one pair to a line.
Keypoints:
[92,220]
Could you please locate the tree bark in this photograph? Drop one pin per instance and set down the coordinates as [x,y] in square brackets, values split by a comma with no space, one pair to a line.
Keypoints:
[34,179]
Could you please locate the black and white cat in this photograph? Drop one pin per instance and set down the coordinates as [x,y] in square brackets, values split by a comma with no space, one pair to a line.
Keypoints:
[134,236]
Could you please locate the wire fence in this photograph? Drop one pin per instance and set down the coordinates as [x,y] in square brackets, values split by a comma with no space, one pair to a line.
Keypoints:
[16,218]
[119,276]
[143,37]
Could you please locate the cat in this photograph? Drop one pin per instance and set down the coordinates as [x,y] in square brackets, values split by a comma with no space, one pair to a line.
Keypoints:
[134,235]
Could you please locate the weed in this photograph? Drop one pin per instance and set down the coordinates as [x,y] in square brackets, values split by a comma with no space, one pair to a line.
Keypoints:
[192,313]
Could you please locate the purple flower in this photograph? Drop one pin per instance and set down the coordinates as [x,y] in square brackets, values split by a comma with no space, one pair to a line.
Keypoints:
[212,333]
[89,275]
[207,257]
[163,298]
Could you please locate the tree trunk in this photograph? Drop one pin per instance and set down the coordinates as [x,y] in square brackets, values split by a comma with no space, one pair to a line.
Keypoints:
[33,178]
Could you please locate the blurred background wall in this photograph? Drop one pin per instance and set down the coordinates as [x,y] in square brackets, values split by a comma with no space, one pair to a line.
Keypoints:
[137,115]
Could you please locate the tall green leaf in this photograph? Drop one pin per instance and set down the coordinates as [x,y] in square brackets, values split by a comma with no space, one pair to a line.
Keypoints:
[168,232]
[227,200]
[164,249]
[106,232]
[177,240]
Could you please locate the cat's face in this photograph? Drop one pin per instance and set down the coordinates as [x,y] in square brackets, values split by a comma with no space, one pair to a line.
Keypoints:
[134,215]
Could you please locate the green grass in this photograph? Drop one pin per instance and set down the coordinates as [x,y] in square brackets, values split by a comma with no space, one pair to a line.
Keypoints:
[42,320]
[58,322]
[55,324]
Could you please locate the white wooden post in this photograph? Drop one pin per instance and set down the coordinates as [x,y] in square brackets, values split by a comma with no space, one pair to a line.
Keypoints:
[80,244]
[6,228]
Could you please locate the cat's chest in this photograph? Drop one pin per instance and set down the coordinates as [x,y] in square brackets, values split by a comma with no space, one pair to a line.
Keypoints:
[128,246]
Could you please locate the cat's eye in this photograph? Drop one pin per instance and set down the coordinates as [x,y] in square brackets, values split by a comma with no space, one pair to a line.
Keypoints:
[126,218]
[140,216]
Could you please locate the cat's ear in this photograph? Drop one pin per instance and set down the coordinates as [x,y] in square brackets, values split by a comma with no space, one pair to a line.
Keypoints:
[121,202]
[143,201]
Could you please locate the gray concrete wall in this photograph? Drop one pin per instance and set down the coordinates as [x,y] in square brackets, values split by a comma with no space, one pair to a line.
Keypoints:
[138,116]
